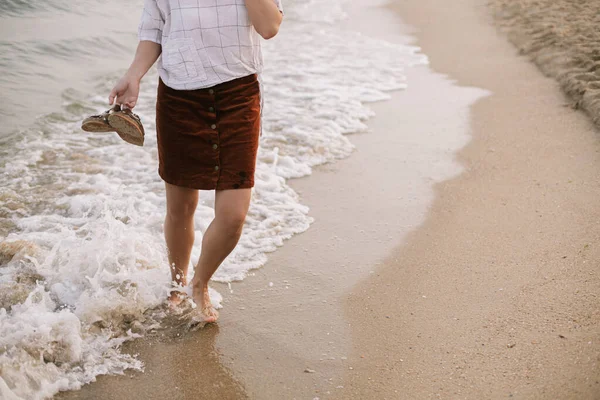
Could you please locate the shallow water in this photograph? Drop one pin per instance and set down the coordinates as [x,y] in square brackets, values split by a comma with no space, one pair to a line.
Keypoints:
[82,258]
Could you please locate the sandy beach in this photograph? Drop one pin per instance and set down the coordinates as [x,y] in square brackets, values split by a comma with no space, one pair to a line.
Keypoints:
[485,287]
[496,295]
[562,38]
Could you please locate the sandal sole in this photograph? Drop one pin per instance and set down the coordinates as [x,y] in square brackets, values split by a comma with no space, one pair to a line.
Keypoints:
[96,126]
[126,129]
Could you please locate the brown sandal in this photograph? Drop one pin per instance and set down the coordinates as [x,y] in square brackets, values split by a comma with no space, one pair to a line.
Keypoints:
[128,125]
[99,123]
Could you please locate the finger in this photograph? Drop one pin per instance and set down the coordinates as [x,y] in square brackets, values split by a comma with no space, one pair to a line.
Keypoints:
[130,102]
[111,96]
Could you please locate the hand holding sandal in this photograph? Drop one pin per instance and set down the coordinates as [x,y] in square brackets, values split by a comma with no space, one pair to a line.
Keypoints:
[127,124]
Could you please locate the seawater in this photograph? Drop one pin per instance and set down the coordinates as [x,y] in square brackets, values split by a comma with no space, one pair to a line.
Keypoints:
[83,263]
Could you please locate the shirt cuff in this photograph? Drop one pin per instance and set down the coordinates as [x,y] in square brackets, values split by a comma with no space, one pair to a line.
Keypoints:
[155,37]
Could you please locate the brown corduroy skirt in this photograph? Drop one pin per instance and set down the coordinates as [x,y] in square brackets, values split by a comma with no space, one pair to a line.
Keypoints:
[208,138]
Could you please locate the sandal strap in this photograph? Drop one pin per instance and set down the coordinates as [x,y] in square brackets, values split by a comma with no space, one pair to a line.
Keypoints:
[116,108]
[105,113]
[129,112]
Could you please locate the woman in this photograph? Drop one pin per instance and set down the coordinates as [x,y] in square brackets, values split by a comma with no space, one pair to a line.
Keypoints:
[207,120]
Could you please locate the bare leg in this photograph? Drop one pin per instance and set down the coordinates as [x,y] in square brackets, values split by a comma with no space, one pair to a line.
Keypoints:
[179,233]
[221,237]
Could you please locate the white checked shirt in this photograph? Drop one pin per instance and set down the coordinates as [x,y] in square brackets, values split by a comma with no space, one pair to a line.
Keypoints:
[204,42]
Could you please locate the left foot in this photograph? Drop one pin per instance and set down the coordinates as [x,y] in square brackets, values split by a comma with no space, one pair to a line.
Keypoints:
[204,312]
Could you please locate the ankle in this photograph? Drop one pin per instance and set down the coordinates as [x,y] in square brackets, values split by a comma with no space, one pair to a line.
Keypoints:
[178,275]
[197,284]
[178,283]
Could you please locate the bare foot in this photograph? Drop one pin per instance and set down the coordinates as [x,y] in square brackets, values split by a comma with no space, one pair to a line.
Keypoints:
[205,312]
[176,298]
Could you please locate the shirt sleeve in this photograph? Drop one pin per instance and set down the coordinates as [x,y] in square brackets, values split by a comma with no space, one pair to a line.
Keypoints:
[278,3]
[152,23]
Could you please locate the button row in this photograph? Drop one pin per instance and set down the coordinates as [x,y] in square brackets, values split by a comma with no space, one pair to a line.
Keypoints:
[213,126]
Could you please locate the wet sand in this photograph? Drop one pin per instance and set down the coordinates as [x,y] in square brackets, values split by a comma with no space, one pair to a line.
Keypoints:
[471,303]
[496,296]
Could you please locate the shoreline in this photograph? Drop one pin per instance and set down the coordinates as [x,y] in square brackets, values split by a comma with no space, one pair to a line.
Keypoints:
[469,304]
[297,324]
[496,294]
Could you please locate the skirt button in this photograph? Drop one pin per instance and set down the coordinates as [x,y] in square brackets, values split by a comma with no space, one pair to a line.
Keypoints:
[215,146]
[216,167]
[213,126]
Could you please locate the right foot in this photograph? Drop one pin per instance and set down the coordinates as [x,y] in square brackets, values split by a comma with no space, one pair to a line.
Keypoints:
[176,298]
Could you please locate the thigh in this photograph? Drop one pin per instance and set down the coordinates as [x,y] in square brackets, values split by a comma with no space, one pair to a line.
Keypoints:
[232,204]
[181,200]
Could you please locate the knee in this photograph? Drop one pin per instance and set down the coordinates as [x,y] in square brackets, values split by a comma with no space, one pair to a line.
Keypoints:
[181,211]
[233,222]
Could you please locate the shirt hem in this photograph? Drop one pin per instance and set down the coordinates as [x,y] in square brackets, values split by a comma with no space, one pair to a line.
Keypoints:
[194,86]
